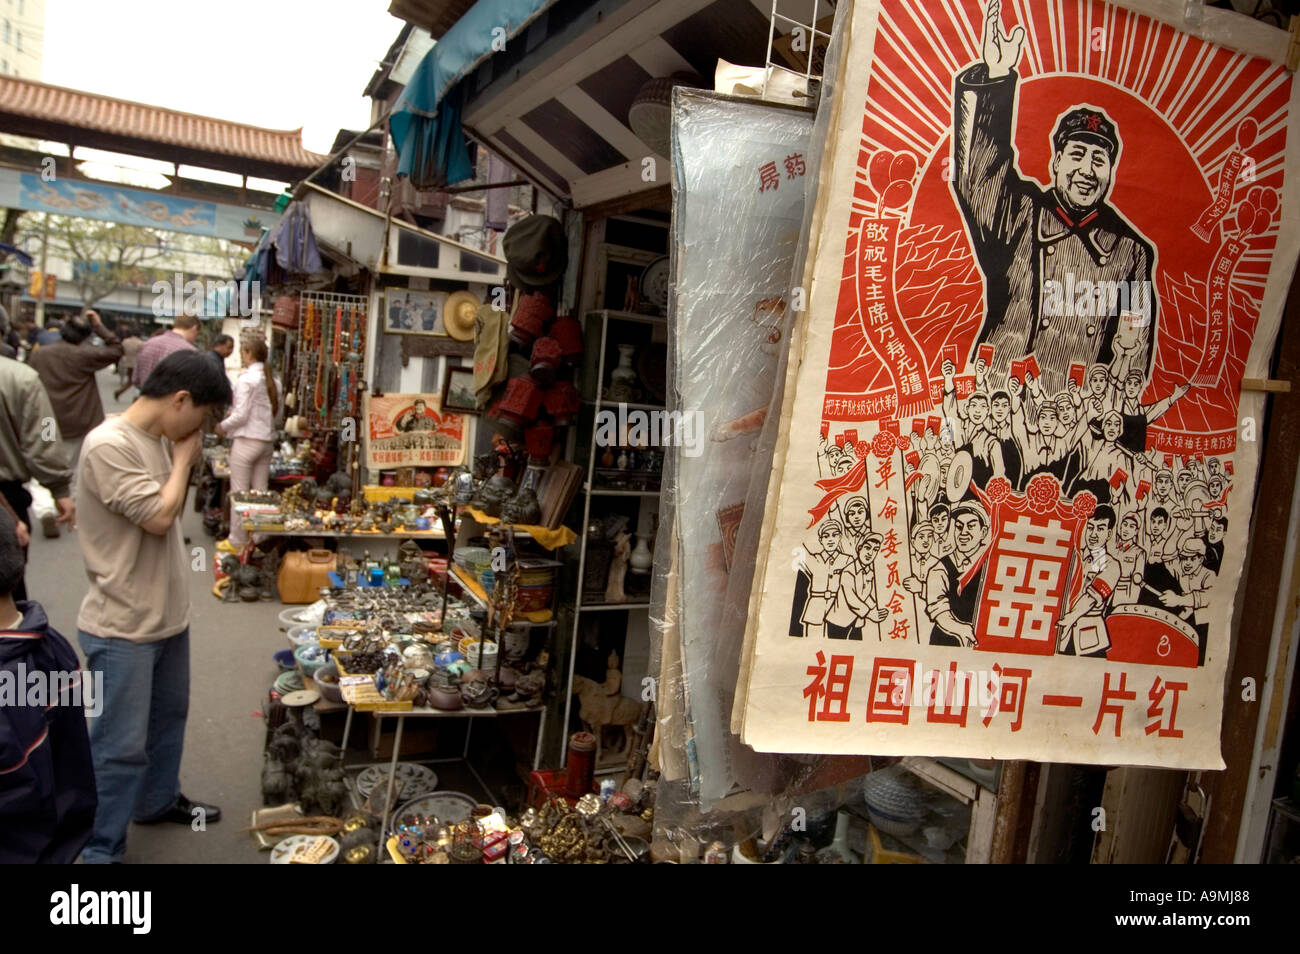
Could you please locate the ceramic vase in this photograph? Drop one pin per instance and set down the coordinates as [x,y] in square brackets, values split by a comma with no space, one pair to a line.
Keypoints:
[624,374]
[641,559]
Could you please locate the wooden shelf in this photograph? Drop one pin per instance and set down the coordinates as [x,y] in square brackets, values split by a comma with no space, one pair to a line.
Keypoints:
[627,316]
[630,405]
[335,534]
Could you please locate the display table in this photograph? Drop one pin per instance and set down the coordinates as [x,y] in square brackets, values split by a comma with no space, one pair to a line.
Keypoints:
[468,714]
[354,535]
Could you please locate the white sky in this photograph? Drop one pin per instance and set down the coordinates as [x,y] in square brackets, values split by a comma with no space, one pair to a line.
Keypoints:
[274,63]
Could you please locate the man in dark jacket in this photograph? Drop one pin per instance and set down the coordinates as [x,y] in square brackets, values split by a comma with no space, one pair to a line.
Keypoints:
[47,782]
[67,370]
[223,346]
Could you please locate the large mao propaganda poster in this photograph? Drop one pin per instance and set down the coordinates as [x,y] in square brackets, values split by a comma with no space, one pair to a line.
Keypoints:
[411,430]
[1016,465]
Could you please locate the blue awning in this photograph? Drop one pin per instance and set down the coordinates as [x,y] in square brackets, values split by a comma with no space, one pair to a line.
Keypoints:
[425,122]
[16,252]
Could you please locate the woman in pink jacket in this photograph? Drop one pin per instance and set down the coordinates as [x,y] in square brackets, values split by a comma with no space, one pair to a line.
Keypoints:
[251,424]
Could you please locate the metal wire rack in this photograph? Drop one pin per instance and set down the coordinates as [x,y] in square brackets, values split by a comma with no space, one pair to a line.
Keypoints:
[331,352]
[802,38]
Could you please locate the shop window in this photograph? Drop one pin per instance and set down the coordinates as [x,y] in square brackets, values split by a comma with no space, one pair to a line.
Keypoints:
[473,263]
[417,251]
[636,234]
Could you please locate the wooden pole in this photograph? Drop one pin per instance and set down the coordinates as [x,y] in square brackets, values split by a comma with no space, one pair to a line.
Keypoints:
[1258,594]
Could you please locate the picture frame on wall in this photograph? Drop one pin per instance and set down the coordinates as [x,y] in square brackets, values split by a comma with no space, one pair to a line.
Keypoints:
[411,312]
[458,392]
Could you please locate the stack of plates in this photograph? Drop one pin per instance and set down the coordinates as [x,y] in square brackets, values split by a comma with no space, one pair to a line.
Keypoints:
[536,573]
[289,682]
[411,780]
[473,560]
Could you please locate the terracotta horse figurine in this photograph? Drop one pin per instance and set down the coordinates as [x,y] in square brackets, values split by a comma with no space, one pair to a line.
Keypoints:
[603,707]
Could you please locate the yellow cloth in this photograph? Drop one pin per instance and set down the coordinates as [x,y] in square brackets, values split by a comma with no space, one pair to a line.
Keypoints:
[551,539]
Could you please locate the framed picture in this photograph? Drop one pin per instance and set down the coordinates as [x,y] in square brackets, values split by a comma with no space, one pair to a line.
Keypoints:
[458,392]
[411,430]
[411,312]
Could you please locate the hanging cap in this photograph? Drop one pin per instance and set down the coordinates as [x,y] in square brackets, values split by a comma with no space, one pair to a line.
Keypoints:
[536,251]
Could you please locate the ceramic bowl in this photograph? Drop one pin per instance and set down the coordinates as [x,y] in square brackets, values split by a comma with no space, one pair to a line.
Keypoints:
[489,660]
[468,643]
[310,658]
[534,598]
[294,616]
[417,656]
[301,635]
[448,658]
[327,682]
[284,659]
[895,804]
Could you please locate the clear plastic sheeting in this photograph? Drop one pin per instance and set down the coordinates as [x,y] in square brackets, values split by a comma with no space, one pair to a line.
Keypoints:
[740,180]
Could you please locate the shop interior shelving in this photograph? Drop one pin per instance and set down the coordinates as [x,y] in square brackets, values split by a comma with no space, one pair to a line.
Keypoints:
[601,319]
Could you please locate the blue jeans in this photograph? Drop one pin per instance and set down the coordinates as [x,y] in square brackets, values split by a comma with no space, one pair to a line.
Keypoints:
[136,741]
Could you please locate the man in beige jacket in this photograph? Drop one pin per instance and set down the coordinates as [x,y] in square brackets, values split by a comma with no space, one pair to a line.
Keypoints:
[30,448]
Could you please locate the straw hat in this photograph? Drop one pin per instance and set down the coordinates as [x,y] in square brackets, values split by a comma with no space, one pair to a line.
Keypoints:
[458,315]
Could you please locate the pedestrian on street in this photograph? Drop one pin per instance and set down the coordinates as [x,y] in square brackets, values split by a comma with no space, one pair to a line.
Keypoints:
[131,346]
[223,346]
[31,448]
[251,424]
[10,342]
[184,332]
[134,621]
[67,369]
[49,334]
[47,782]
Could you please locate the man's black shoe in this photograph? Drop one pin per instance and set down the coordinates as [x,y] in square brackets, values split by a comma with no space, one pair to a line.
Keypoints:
[184,812]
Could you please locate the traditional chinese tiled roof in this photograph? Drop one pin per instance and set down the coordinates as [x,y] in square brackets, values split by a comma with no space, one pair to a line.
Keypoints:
[82,118]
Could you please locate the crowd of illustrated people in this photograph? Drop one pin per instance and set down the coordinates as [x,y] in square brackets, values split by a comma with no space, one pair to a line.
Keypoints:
[1155,538]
